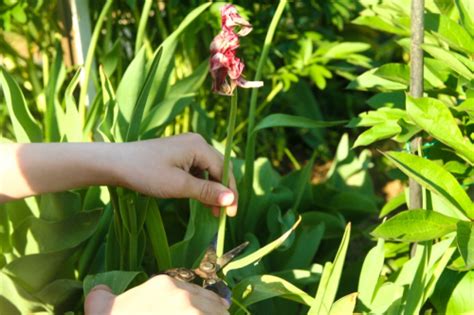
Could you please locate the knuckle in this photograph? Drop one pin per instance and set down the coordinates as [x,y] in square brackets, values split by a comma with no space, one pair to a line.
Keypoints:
[163,281]
[196,138]
[206,191]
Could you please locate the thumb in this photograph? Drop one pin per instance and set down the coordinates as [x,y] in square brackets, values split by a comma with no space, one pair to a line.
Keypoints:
[99,300]
[210,192]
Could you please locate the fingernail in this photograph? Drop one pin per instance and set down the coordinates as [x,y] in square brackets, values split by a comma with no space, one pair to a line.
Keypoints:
[226,198]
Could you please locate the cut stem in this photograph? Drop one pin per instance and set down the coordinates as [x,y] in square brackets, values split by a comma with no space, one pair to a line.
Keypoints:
[225,172]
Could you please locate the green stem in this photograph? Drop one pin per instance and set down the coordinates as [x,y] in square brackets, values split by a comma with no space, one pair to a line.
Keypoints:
[90,58]
[142,25]
[225,174]
[250,145]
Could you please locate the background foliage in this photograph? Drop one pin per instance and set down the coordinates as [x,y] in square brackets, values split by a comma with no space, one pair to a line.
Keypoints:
[328,61]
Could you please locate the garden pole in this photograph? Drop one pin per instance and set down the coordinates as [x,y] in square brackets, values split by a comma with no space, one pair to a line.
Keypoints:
[416,86]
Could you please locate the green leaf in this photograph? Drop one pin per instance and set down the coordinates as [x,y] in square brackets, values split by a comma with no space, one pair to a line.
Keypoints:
[329,282]
[450,60]
[416,226]
[118,281]
[25,127]
[35,271]
[449,31]
[370,80]
[72,119]
[343,50]
[166,111]
[393,204]
[139,109]
[387,100]
[453,293]
[161,78]
[378,23]
[344,305]
[255,256]
[465,239]
[466,12]
[435,178]
[395,72]
[157,236]
[377,132]
[284,120]
[370,273]
[258,288]
[56,236]
[434,116]
[129,89]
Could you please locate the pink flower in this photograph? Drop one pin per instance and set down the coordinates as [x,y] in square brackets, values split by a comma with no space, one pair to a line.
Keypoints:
[226,69]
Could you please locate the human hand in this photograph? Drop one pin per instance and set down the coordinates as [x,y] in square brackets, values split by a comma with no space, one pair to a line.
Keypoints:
[159,295]
[173,168]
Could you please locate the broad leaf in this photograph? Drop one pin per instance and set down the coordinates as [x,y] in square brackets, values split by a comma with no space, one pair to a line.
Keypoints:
[258,288]
[465,240]
[434,116]
[344,305]
[450,32]
[450,60]
[377,132]
[416,226]
[118,281]
[466,12]
[25,127]
[435,178]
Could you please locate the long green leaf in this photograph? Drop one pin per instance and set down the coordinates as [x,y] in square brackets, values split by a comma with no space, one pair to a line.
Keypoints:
[25,127]
[329,283]
[284,120]
[370,273]
[258,288]
[157,236]
[72,125]
[377,132]
[415,226]
[435,178]
[435,117]
[253,257]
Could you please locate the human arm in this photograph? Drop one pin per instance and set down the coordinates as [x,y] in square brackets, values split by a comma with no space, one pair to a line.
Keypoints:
[166,167]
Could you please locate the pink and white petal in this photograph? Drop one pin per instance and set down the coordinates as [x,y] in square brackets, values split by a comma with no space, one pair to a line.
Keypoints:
[249,84]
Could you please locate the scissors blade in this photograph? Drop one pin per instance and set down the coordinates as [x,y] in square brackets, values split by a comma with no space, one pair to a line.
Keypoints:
[227,257]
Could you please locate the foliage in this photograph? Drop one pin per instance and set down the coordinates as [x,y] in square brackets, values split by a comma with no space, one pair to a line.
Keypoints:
[152,82]
[443,165]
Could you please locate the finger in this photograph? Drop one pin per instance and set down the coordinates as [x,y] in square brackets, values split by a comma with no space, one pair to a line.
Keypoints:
[207,306]
[212,160]
[99,300]
[232,209]
[206,191]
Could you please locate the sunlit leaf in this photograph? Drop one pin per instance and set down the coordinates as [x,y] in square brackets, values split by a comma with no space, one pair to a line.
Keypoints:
[465,240]
[416,225]
[329,282]
[257,255]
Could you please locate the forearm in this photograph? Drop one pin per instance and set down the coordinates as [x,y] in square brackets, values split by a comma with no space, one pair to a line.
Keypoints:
[30,169]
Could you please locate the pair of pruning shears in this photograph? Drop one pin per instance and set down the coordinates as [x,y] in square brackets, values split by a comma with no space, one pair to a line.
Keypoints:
[206,274]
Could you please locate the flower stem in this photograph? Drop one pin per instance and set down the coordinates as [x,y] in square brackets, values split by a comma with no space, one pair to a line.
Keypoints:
[225,173]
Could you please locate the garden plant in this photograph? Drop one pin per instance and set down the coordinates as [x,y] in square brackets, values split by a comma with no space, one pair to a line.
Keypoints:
[308,101]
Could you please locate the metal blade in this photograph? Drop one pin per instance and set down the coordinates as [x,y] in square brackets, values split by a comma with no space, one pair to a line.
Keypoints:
[227,257]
